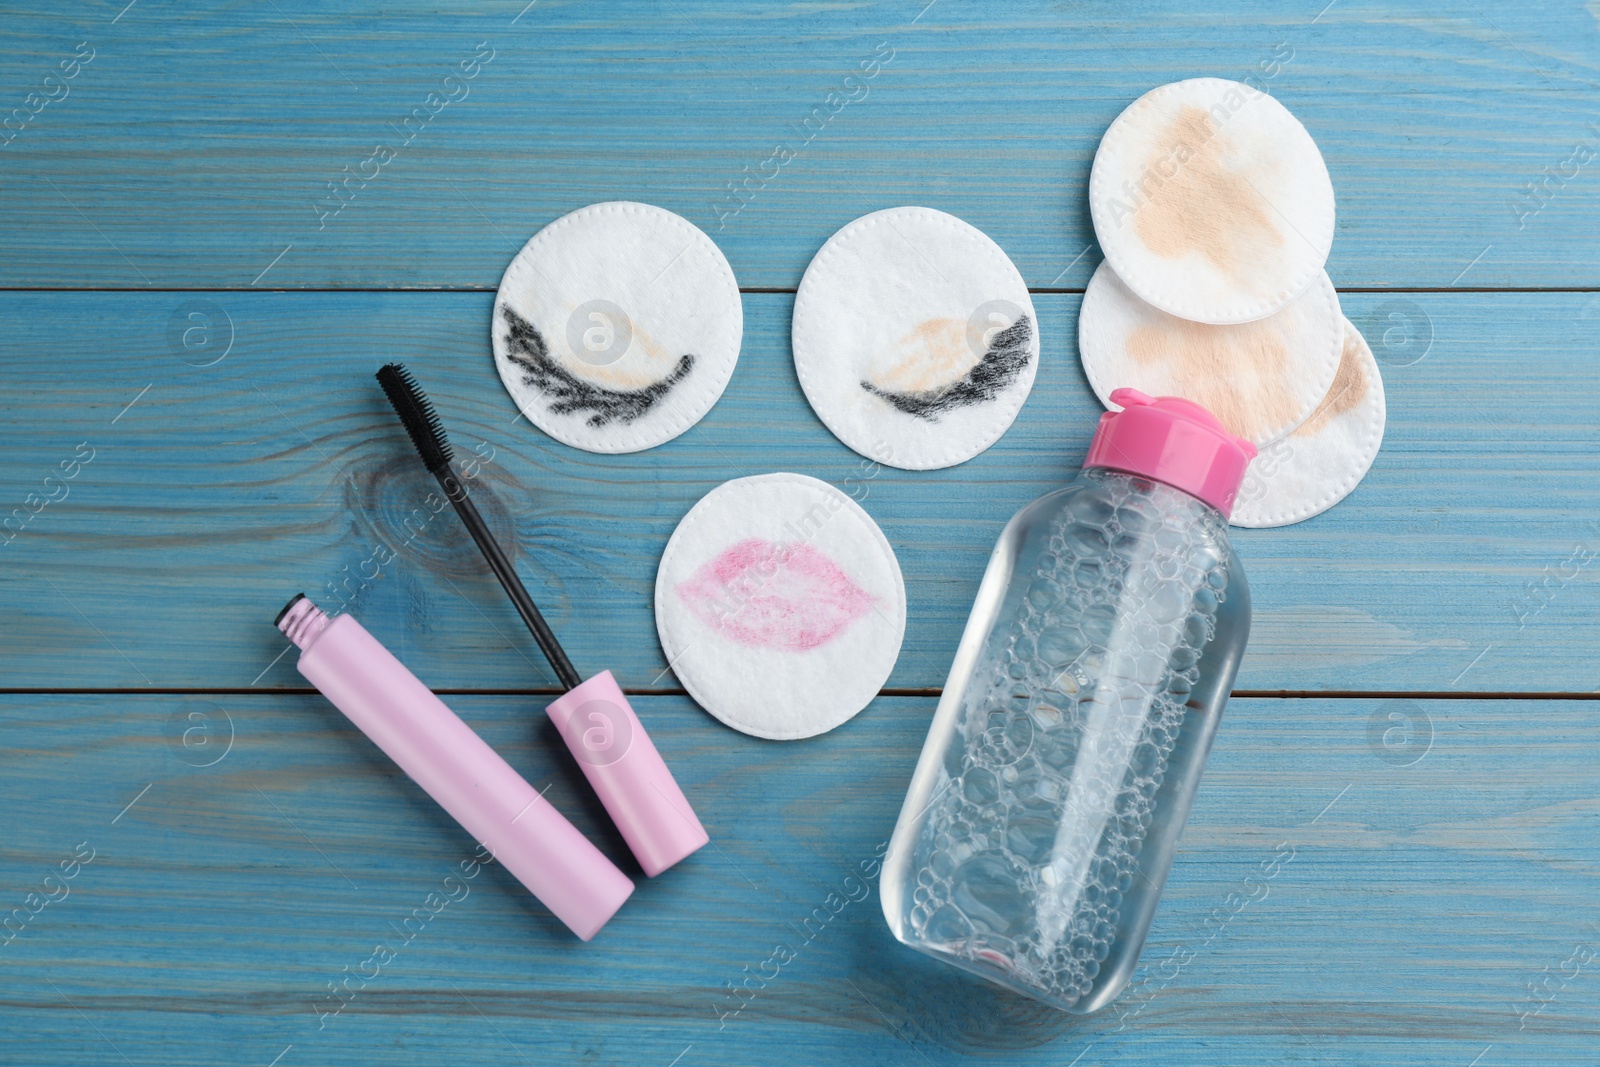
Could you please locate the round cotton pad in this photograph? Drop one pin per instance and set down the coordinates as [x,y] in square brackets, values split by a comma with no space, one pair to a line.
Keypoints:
[1316,466]
[780,605]
[617,327]
[1262,379]
[1212,201]
[914,338]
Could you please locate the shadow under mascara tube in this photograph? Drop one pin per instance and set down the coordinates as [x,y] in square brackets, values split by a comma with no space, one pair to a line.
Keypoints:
[443,755]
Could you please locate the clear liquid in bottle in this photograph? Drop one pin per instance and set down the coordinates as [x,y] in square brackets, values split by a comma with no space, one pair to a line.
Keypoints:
[1067,747]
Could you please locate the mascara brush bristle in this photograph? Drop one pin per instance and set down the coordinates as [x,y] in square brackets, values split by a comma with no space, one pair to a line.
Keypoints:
[416,414]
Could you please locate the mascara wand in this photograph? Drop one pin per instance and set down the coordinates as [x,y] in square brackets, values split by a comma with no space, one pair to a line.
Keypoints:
[594,718]
[418,417]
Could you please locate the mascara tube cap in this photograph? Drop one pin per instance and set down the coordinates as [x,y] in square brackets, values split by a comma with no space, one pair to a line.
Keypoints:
[633,782]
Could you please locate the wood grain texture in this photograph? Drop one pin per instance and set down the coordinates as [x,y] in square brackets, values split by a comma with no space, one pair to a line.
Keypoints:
[249,847]
[280,468]
[195,146]
[1415,905]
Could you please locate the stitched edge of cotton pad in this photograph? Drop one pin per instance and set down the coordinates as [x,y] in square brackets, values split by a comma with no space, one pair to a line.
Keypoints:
[1329,368]
[1107,156]
[799,334]
[1372,443]
[685,671]
[632,440]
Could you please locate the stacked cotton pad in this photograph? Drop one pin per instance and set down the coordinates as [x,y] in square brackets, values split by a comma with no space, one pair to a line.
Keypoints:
[1215,212]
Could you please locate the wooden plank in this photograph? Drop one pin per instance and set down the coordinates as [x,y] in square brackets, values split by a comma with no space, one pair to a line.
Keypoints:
[1421,890]
[198,152]
[1462,562]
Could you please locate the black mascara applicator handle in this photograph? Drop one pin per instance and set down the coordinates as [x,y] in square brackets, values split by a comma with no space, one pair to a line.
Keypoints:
[595,720]
[427,433]
[456,493]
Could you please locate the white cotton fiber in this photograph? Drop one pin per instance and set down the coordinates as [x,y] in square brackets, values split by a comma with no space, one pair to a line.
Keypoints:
[780,605]
[914,338]
[1211,201]
[617,327]
[1324,459]
[1261,379]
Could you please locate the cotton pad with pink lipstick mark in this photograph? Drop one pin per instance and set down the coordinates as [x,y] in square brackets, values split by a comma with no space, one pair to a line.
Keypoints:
[806,602]
[780,605]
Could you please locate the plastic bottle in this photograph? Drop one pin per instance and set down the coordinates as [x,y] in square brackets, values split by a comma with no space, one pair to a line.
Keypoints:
[1061,763]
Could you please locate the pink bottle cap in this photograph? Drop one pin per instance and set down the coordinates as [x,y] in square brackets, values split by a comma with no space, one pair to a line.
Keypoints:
[1172,440]
[628,773]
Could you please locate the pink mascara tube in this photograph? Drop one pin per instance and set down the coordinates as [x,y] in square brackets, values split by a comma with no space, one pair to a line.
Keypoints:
[456,767]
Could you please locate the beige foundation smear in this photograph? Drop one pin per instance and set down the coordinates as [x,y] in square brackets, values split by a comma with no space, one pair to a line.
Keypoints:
[1212,202]
[1325,458]
[932,355]
[1262,379]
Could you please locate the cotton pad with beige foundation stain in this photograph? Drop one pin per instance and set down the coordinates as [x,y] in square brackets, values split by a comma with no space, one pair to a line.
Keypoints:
[780,605]
[914,338]
[1261,379]
[1318,464]
[617,327]
[1211,201]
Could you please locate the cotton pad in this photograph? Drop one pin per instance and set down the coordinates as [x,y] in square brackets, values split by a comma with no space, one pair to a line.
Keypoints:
[914,338]
[1316,466]
[1211,201]
[780,605]
[617,327]
[1262,378]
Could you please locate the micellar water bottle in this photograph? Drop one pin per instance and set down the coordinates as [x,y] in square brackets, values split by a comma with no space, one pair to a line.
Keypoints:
[1084,697]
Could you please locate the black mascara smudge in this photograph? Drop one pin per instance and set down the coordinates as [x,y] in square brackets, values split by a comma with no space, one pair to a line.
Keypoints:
[998,368]
[569,393]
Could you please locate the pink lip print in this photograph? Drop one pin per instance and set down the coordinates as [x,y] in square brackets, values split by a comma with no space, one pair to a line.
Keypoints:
[789,597]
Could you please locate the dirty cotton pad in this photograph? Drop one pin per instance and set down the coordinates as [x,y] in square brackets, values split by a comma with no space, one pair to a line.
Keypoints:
[780,605]
[914,338]
[617,327]
[1316,466]
[1211,201]
[1262,379]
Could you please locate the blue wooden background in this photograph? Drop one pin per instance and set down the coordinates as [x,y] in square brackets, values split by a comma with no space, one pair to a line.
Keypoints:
[1414,727]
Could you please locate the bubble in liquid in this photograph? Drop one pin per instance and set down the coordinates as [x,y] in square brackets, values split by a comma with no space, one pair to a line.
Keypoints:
[1119,606]
[948,924]
[1059,646]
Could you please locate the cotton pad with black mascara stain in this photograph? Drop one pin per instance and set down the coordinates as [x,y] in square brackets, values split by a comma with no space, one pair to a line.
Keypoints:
[617,327]
[914,338]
